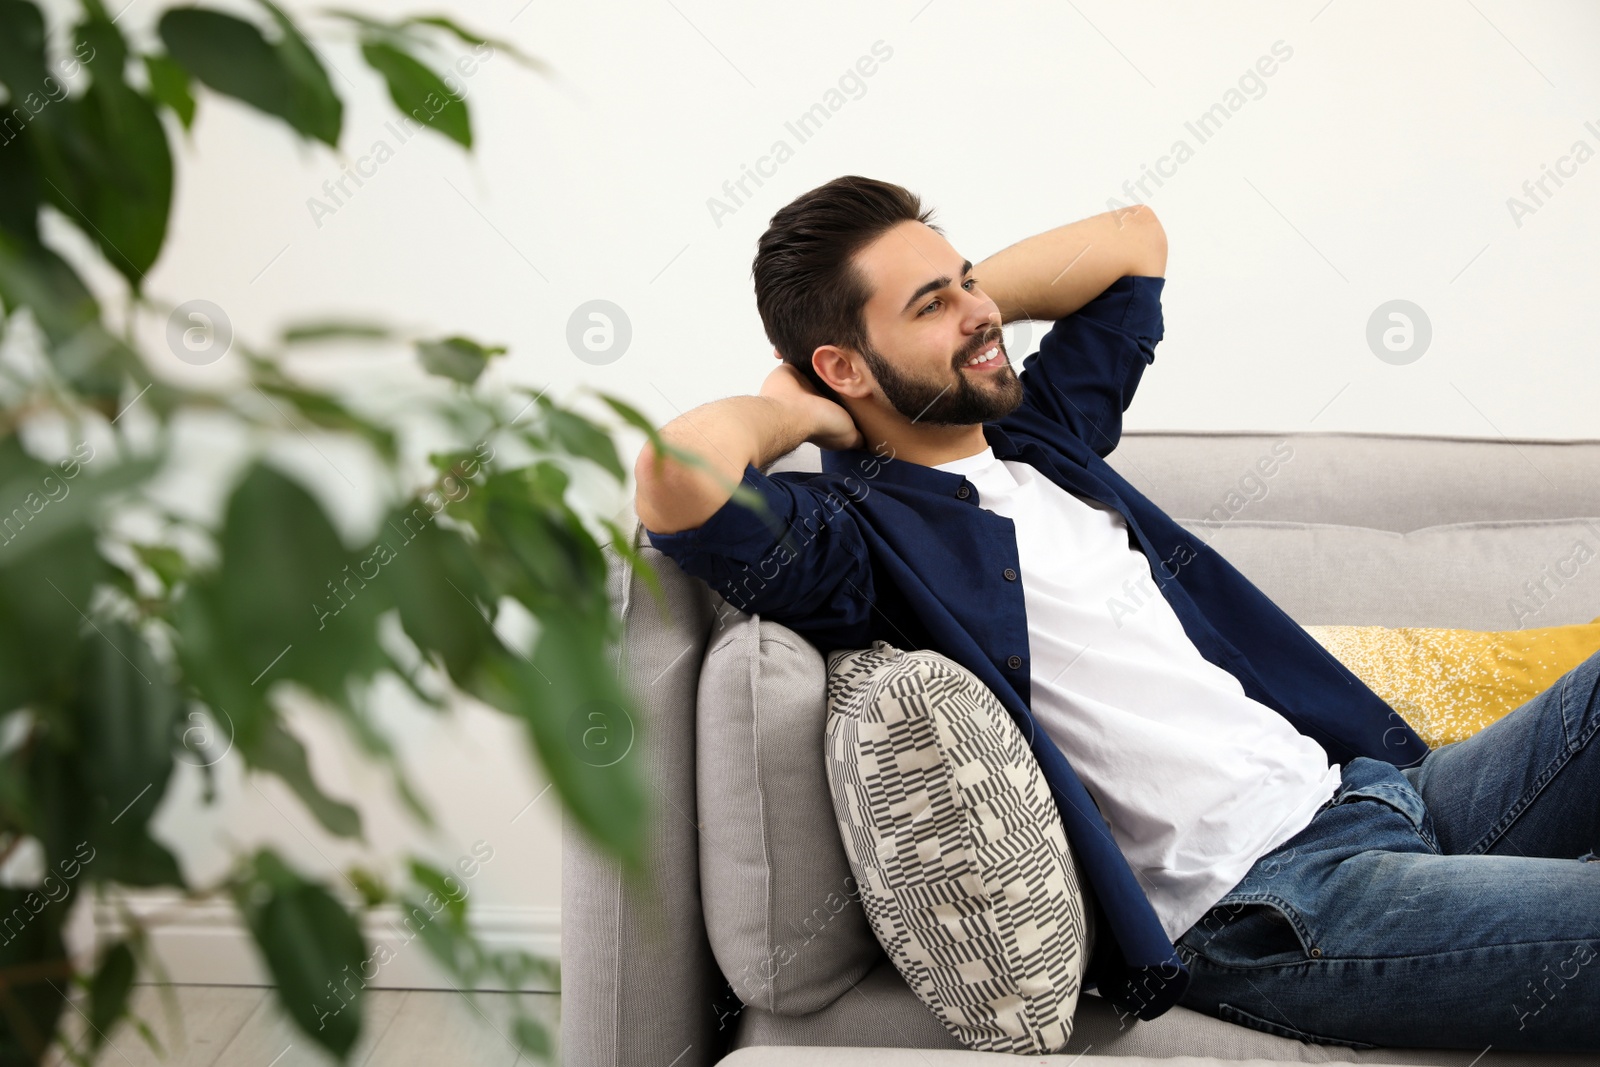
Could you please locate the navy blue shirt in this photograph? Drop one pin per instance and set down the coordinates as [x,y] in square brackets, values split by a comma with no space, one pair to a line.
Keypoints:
[877,548]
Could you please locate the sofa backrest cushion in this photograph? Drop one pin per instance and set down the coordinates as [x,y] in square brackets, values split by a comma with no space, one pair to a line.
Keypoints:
[782,910]
[1494,575]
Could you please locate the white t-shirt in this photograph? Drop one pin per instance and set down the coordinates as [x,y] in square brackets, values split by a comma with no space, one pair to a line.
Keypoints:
[1196,779]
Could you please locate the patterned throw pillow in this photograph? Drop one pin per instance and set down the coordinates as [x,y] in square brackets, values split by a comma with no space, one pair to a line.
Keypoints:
[964,867]
[1449,684]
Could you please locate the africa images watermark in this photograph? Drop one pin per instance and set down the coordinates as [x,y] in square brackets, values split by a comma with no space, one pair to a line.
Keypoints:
[51,490]
[25,107]
[756,978]
[55,888]
[1537,190]
[453,488]
[1539,997]
[1539,589]
[414,921]
[802,128]
[1205,126]
[337,195]
[1250,488]
[786,550]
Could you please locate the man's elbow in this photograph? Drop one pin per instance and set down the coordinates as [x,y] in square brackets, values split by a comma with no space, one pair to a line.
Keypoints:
[1152,245]
[648,477]
[1146,241]
[668,497]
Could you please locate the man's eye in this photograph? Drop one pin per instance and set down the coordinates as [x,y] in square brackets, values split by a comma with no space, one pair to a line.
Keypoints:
[969,281]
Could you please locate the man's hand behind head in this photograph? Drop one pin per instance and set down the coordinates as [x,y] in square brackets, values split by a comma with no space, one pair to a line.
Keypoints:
[832,426]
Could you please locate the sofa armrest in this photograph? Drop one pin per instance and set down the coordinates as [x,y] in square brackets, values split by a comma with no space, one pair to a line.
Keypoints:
[639,985]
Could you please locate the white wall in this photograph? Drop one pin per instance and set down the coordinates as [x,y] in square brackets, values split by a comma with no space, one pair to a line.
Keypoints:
[1375,163]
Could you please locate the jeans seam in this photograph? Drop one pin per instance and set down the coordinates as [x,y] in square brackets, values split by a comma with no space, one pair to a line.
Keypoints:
[1594,724]
[1324,961]
[1498,830]
[1284,1030]
[1569,750]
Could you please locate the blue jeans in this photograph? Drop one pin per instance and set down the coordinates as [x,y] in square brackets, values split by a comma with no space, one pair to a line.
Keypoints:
[1451,904]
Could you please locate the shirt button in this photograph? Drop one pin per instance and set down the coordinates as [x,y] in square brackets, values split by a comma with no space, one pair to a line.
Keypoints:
[1014,662]
[963,492]
[1011,575]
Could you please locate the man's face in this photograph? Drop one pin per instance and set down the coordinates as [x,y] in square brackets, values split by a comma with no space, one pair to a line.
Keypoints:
[928,318]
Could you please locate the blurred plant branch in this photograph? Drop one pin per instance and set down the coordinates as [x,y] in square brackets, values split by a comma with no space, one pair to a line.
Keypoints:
[111,643]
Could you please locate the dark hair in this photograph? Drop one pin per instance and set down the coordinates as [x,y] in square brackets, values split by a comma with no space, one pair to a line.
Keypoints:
[808,290]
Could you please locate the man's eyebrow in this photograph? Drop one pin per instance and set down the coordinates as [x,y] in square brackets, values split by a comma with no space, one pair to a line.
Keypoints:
[938,283]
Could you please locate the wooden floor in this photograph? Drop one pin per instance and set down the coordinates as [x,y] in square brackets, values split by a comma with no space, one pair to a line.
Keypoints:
[242,1026]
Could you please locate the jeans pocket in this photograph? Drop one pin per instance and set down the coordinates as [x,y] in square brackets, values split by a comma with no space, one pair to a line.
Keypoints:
[1249,930]
[1398,796]
[1255,1022]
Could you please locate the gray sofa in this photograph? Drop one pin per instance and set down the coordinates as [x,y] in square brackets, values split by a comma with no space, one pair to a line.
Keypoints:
[1350,528]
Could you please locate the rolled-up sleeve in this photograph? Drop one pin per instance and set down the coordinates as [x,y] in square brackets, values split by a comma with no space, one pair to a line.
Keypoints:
[1090,362]
[805,566]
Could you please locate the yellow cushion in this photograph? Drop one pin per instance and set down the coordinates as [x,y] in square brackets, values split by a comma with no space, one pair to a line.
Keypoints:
[1449,684]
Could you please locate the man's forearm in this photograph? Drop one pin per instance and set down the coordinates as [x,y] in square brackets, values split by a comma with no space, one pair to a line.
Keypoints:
[1055,273]
[728,434]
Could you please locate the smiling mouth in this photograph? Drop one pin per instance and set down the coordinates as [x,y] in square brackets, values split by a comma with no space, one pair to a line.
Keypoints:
[988,357]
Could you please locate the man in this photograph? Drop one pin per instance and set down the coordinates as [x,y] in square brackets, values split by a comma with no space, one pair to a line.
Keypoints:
[1266,840]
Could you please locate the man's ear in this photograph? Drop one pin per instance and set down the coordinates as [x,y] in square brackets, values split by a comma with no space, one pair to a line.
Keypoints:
[835,367]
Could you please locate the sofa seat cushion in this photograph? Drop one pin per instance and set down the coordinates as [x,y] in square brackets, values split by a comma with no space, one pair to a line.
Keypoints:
[881,1012]
[965,871]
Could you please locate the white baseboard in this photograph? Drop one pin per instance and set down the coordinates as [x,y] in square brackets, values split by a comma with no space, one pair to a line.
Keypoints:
[206,943]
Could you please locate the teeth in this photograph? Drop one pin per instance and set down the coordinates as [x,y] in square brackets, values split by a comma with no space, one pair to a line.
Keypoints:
[983,357]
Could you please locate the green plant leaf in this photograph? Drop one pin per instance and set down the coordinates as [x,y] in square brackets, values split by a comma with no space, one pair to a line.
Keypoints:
[288,599]
[229,55]
[169,565]
[127,712]
[369,885]
[169,83]
[22,58]
[548,560]
[33,276]
[73,817]
[23,72]
[471,37]
[104,159]
[278,752]
[43,592]
[437,585]
[331,413]
[108,992]
[314,108]
[312,946]
[282,78]
[584,728]
[532,1036]
[311,332]
[34,959]
[438,883]
[418,91]
[444,940]
[579,436]
[460,358]
[59,504]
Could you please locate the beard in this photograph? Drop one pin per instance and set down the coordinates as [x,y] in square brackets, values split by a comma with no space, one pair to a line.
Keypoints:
[944,403]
